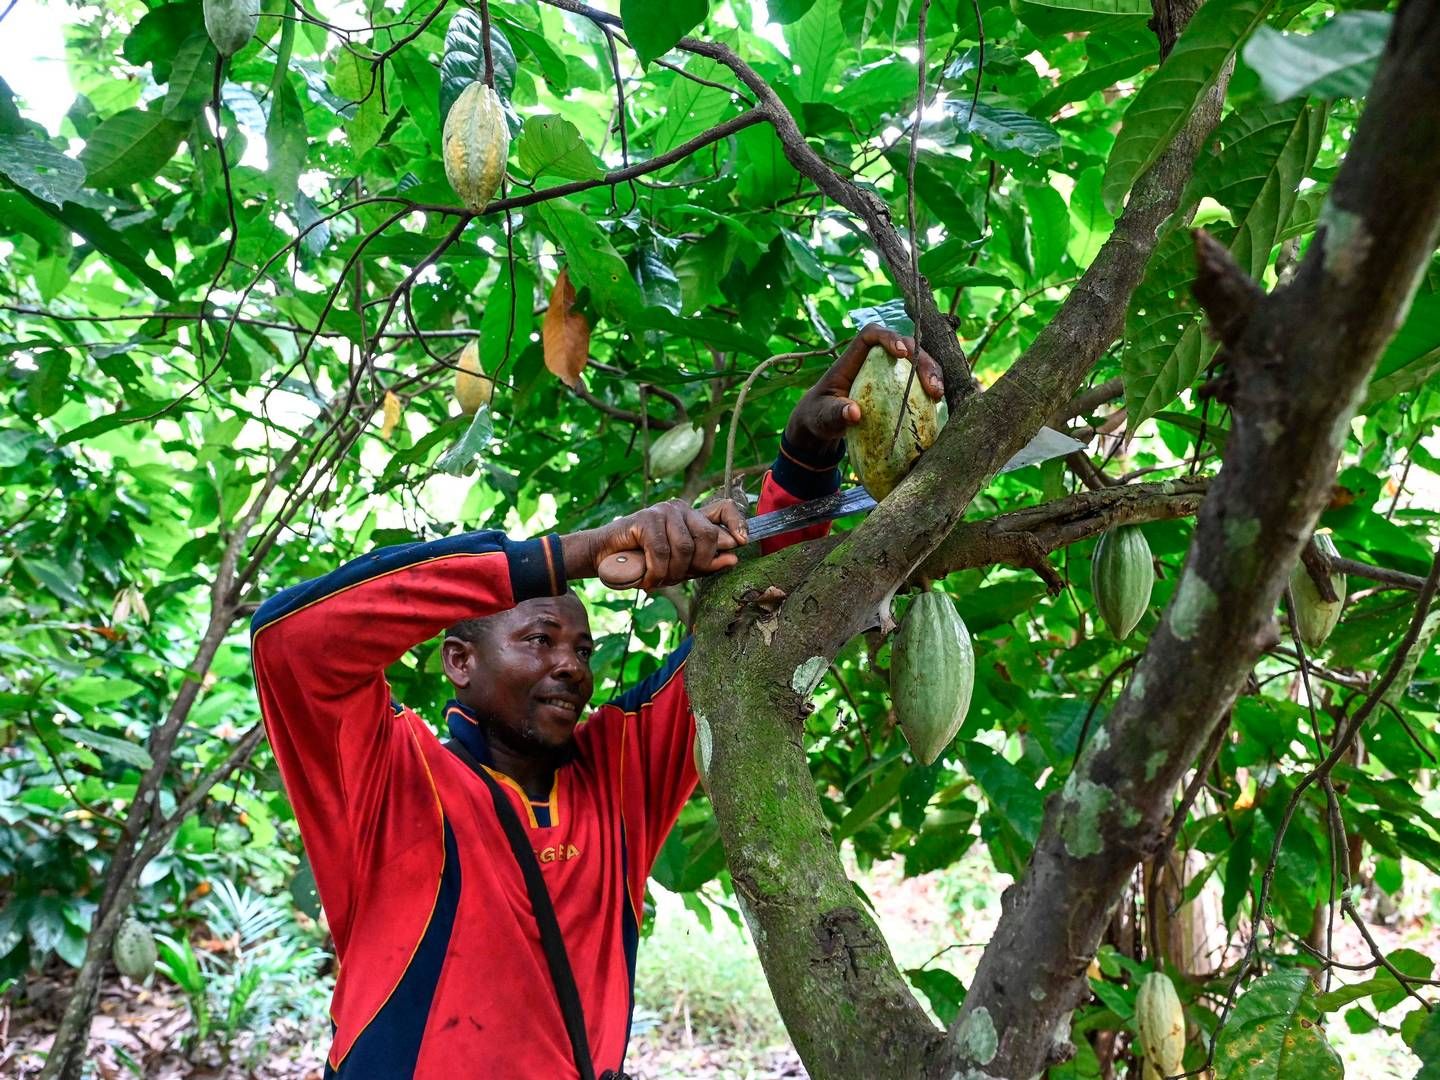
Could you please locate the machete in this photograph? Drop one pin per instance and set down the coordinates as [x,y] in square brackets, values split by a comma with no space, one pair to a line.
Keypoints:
[624,569]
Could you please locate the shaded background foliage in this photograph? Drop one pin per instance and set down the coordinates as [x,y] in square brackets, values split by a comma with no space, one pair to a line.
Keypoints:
[201,333]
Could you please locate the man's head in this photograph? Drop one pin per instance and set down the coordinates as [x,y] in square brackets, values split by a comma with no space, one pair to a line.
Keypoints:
[525,672]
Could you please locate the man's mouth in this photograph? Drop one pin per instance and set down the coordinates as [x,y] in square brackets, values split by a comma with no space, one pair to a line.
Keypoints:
[569,705]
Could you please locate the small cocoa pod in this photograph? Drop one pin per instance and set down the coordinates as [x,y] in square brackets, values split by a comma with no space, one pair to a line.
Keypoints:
[134,950]
[1161,1021]
[230,23]
[932,674]
[473,388]
[1315,617]
[1121,577]
[675,449]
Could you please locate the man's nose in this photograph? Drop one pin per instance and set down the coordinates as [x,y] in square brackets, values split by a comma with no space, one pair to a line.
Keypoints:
[568,665]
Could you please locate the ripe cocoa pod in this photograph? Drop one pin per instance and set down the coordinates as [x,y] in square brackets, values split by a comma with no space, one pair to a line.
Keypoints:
[1161,1020]
[932,674]
[473,388]
[1315,617]
[1121,577]
[675,449]
[230,23]
[881,459]
[390,408]
[134,950]
[476,143]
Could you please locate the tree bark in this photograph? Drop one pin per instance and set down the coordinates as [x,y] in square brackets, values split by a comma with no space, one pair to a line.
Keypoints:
[1293,381]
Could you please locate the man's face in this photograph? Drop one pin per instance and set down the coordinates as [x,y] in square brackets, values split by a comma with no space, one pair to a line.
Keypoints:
[529,674]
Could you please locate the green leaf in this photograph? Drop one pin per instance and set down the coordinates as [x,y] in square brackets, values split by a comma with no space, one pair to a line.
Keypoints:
[1413,355]
[1427,1044]
[471,445]
[1049,219]
[1112,57]
[654,26]
[1338,60]
[90,225]
[1004,129]
[131,146]
[692,107]
[94,690]
[47,382]
[1009,790]
[1275,1034]
[1168,97]
[191,77]
[131,753]
[352,81]
[286,140]
[1266,152]
[817,43]
[53,579]
[463,60]
[39,168]
[785,12]
[658,283]
[552,144]
[157,37]
[944,991]
[1051,17]
[593,261]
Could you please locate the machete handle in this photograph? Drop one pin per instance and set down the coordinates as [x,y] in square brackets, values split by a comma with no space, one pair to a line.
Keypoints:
[622,570]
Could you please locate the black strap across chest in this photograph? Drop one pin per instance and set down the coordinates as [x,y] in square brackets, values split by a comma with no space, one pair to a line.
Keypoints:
[556,958]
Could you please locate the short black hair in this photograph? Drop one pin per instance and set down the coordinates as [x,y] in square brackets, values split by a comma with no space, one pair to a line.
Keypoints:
[477,630]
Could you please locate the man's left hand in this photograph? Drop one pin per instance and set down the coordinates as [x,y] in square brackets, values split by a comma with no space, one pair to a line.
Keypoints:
[826,412]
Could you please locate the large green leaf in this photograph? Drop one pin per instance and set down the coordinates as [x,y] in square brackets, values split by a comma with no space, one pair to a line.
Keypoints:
[129,147]
[1264,152]
[552,145]
[1338,60]
[463,60]
[33,164]
[191,77]
[1003,129]
[654,26]
[817,45]
[1051,17]
[94,228]
[1413,355]
[286,140]
[592,259]
[1165,102]
[1275,1033]
[1112,57]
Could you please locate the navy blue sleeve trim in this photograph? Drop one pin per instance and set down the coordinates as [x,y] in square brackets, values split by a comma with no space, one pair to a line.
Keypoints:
[532,571]
[643,692]
[807,475]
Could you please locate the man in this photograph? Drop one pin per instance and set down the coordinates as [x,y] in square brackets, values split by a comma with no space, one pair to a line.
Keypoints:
[442,971]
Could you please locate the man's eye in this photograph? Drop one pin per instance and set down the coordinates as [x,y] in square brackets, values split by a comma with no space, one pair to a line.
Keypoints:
[584,654]
[543,639]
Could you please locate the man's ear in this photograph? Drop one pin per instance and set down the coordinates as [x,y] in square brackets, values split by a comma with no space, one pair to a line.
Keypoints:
[459,659]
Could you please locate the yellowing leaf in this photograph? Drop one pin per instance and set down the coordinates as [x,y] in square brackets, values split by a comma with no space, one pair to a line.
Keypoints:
[565,333]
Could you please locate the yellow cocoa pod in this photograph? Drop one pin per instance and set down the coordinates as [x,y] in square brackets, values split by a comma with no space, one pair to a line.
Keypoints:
[476,143]
[473,388]
[391,410]
[881,459]
[1161,1020]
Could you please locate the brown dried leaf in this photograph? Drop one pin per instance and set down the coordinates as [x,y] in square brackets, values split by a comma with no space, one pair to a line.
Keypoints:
[565,333]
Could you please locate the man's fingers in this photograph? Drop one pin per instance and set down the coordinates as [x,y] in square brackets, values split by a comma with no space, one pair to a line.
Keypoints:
[836,416]
[682,543]
[932,379]
[706,537]
[727,515]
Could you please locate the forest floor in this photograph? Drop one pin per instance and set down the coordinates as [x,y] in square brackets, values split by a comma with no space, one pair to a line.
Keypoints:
[703,1011]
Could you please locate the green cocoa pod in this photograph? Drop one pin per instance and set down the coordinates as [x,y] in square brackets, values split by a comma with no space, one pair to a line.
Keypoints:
[475,144]
[881,459]
[932,674]
[230,23]
[134,950]
[1121,577]
[675,449]
[1161,1020]
[1315,617]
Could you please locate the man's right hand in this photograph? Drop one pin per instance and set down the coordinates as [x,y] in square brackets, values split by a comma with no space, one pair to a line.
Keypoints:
[678,542]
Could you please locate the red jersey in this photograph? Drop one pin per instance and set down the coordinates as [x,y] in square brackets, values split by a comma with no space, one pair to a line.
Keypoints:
[441,970]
